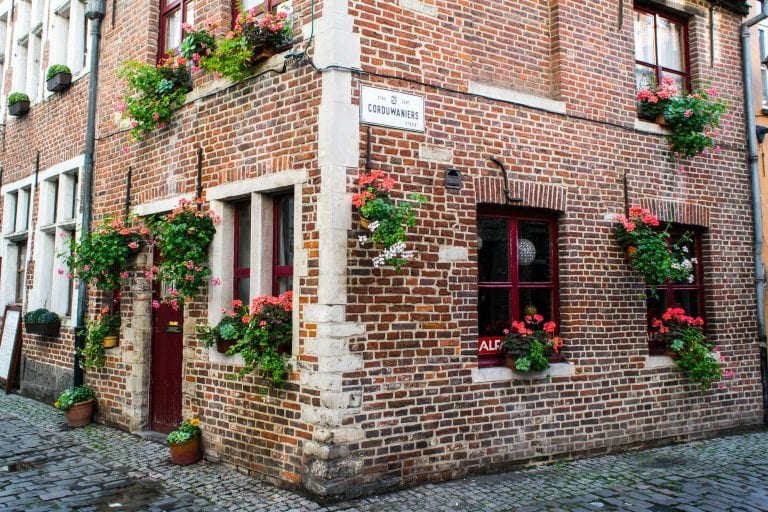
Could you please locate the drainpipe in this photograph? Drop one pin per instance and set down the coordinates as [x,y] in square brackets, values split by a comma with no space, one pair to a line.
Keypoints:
[749,113]
[94,11]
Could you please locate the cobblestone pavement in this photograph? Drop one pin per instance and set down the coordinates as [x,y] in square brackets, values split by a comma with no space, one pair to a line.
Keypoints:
[44,466]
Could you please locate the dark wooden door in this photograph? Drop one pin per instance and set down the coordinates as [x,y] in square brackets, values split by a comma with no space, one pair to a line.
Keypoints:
[166,365]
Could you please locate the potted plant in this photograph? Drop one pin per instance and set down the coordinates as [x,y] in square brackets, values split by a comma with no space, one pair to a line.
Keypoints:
[18,104]
[156,91]
[197,45]
[698,359]
[99,257]
[265,338]
[694,118]
[229,330]
[43,322]
[105,325]
[77,404]
[58,78]
[184,443]
[649,250]
[182,238]
[387,220]
[530,344]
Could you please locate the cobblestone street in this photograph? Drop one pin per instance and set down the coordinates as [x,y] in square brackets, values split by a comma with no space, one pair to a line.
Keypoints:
[45,466]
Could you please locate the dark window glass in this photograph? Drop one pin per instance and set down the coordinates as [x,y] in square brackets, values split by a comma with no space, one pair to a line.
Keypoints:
[242,270]
[282,261]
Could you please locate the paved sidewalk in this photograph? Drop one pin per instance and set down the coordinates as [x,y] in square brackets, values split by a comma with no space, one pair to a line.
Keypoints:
[44,466]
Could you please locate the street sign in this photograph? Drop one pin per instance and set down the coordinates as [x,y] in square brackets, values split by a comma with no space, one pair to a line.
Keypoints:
[381,107]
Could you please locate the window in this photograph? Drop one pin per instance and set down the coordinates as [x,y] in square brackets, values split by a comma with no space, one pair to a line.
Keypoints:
[682,294]
[264,5]
[276,261]
[28,30]
[173,15]
[53,288]
[661,49]
[69,34]
[515,279]
[3,33]
[16,216]
[21,272]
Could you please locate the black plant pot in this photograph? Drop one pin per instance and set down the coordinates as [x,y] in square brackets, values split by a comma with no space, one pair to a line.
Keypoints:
[59,82]
[49,329]
[19,108]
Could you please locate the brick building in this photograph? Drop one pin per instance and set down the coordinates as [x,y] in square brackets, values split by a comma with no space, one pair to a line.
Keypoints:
[388,383]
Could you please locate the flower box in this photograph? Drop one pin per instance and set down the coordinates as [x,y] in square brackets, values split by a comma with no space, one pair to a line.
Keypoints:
[59,82]
[48,329]
[19,108]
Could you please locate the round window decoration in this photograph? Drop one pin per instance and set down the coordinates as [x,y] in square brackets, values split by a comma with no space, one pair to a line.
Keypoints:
[526,252]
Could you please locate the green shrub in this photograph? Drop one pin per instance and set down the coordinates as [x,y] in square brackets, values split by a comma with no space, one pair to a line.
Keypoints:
[56,69]
[16,97]
[72,396]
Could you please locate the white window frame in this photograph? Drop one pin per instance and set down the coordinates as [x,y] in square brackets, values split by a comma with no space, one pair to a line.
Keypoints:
[18,198]
[762,42]
[60,187]
[68,40]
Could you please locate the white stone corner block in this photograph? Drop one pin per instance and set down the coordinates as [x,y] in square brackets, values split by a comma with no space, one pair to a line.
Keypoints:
[326,347]
[338,435]
[318,313]
[340,330]
[339,364]
[321,381]
[325,417]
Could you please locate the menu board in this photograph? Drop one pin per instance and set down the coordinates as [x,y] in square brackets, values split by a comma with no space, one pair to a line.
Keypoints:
[10,345]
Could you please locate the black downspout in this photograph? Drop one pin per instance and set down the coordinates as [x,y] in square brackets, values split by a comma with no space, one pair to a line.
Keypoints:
[94,10]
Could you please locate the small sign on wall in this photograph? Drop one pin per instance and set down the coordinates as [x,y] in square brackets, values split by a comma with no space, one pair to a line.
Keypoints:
[393,109]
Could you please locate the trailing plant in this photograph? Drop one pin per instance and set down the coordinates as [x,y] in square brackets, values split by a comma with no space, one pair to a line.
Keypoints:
[56,69]
[531,343]
[267,334]
[698,359]
[16,97]
[156,91]
[693,117]
[186,431]
[649,250]
[105,324]
[99,257]
[75,395]
[388,220]
[182,238]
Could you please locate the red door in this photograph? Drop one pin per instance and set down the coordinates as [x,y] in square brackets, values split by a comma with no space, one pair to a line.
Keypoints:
[166,365]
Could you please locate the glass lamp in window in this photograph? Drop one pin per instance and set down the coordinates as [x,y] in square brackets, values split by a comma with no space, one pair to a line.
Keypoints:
[526,252]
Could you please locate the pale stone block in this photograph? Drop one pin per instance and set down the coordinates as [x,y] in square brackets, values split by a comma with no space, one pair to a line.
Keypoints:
[335,210]
[347,399]
[340,330]
[326,346]
[420,7]
[321,381]
[325,417]
[325,451]
[520,98]
[318,313]
[436,153]
[338,134]
[338,435]
[340,364]
[336,89]
[659,362]
[452,253]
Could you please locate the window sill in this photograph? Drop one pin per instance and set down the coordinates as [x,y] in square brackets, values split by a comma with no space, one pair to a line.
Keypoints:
[501,373]
[659,362]
[495,92]
[650,127]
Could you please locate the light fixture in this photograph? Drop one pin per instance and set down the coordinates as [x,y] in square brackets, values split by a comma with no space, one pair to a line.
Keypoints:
[453,178]
[526,252]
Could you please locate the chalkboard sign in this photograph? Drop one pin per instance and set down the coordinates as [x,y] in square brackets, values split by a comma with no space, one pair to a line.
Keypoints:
[10,345]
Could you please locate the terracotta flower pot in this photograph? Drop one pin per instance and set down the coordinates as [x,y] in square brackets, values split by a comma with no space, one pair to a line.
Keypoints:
[186,453]
[79,414]
[364,223]
[510,361]
[661,120]
[631,251]
[223,345]
[110,341]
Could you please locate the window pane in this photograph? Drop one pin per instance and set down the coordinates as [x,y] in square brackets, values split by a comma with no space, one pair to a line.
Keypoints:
[670,39]
[535,301]
[493,250]
[284,284]
[645,77]
[285,235]
[21,262]
[247,5]
[55,206]
[190,13]
[172,30]
[244,235]
[644,38]
[679,80]
[689,250]
[493,311]
[689,301]
[533,252]
[656,306]
[244,290]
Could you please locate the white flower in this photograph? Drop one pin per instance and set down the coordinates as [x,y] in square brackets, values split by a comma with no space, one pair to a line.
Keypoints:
[685,249]
[362,239]
[373,225]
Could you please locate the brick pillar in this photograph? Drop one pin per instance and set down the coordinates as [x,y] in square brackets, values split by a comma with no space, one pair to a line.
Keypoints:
[329,462]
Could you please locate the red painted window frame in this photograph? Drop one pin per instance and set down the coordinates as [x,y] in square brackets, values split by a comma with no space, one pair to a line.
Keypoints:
[168,7]
[514,285]
[239,272]
[656,67]
[267,6]
[278,271]
[668,290]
